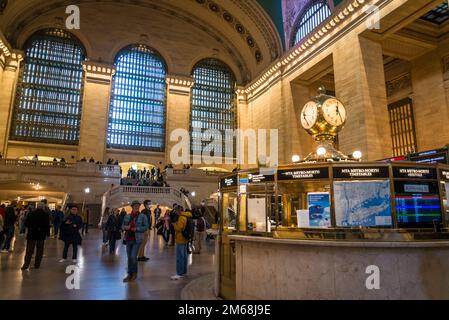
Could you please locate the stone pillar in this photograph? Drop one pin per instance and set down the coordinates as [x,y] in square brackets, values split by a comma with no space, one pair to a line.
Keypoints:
[299,141]
[243,123]
[9,71]
[360,85]
[178,108]
[430,107]
[95,110]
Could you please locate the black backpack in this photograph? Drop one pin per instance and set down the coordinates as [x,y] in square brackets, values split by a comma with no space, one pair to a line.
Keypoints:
[189,230]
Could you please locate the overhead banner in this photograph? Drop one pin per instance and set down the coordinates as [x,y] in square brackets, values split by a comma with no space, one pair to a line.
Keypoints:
[303,174]
[375,172]
[414,173]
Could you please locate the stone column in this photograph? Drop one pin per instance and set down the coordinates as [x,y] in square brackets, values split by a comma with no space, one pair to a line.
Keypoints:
[9,71]
[243,123]
[95,110]
[430,107]
[360,85]
[178,108]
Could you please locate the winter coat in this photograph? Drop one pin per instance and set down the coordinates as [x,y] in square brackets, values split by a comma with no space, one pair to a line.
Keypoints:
[141,225]
[180,226]
[58,217]
[38,224]
[113,227]
[70,231]
[10,216]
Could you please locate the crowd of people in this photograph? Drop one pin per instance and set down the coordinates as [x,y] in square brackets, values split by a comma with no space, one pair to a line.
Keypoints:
[178,227]
[182,228]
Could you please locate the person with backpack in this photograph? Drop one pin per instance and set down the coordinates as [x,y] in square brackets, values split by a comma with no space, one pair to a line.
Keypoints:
[135,225]
[184,231]
[146,211]
[200,230]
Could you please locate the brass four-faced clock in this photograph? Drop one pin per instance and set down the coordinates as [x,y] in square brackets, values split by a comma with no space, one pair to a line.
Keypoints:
[323,117]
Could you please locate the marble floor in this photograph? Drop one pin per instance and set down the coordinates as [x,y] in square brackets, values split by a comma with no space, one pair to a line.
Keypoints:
[101,274]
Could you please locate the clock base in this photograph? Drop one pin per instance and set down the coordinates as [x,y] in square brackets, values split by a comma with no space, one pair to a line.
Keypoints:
[326,151]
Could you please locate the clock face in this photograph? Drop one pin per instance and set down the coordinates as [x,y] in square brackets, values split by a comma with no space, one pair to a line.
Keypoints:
[334,112]
[309,115]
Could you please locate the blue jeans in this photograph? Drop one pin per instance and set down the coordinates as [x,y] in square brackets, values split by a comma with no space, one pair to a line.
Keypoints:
[132,249]
[105,233]
[9,234]
[56,227]
[181,259]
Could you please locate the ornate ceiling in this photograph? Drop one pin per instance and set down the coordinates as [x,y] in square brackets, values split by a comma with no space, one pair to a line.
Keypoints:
[240,32]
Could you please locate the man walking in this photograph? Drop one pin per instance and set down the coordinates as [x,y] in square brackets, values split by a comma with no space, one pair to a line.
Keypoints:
[147,212]
[38,224]
[199,234]
[9,226]
[181,244]
[70,233]
[135,225]
[157,214]
[58,217]
[85,217]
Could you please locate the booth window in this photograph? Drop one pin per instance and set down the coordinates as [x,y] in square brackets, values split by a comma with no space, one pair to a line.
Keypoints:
[137,109]
[48,101]
[311,17]
[213,108]
[402,127]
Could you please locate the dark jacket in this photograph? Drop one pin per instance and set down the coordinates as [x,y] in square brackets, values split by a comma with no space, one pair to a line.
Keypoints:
[113,226]
[70,231]
[58,217]
[38,224]
[147,212]
[10,216]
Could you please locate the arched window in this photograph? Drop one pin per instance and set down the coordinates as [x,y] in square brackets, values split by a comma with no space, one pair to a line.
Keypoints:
[311,17]
[48,102]
[137,110]
[213,105]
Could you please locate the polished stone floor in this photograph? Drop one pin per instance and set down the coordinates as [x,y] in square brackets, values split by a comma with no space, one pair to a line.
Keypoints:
[100,273]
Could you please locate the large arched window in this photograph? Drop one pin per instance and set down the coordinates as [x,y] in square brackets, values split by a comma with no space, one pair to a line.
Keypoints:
[137,110]
[213,105]
[311,17]
[48,102]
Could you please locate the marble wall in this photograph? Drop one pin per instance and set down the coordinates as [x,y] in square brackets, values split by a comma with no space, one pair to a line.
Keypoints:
[292,269]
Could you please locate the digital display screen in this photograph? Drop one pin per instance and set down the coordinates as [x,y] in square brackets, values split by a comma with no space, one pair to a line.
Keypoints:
[417,210]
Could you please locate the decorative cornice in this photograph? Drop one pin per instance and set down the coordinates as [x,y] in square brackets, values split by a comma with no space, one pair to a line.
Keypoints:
[399,83]
[307,46]
[180,85]
[98,72]
[4,49]
[12,62]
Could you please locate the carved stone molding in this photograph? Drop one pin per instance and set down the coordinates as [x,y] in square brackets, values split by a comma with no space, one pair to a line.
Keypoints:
[12,62]
[180,85]
[397,84]
[98,72]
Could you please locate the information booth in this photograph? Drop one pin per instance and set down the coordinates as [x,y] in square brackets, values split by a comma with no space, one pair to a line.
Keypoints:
[228,207]
[367,205]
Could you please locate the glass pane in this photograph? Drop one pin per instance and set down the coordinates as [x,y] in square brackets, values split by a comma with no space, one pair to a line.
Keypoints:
[137,111]
[317,12]
[48,103]
[213,107]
